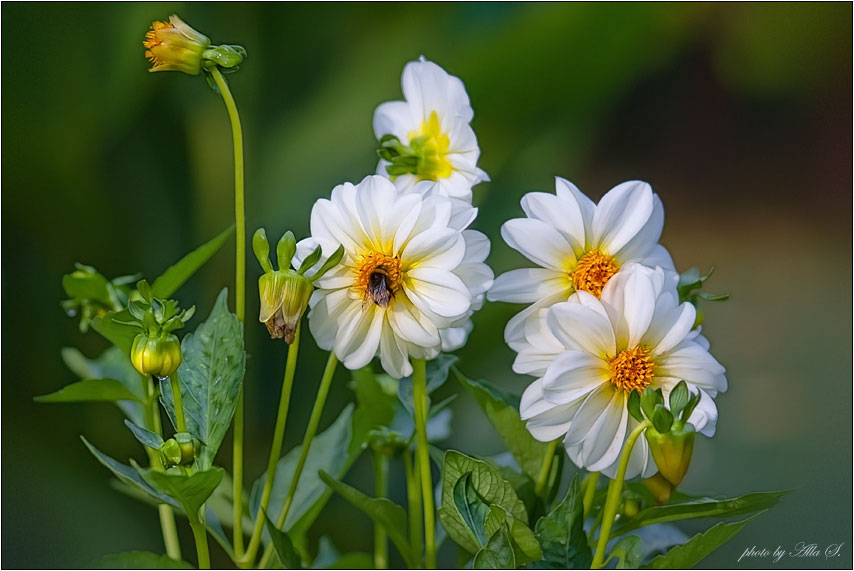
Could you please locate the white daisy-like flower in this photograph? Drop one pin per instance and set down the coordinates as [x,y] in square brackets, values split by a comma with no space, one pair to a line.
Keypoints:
[410,270]
[436,142]
[578,245]
[589,354]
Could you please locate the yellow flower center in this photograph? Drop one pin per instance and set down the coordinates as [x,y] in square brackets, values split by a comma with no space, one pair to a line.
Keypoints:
[378,278]
[153,40]
[433,146]
[632,369]
[593,271]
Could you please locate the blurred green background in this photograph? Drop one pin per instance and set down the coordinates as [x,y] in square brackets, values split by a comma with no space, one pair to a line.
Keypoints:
[739,115]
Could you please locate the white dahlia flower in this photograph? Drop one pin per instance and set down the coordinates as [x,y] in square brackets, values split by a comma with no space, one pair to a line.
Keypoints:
[578,245]
[410,270]
[589,354]
[434,139]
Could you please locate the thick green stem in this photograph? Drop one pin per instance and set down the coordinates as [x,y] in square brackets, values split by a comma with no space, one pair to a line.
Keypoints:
[419,388]
[589,491]
[380,491]
[201,537]
[275,448]
[413,495]
[612,501]
[170,531]
[310,431]
[543,477]
[180,421]
[239,295]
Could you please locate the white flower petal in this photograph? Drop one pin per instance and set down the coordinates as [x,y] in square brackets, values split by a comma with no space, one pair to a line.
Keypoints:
[514,332]
[394,118]
[528,285]
[621,214]
[605,449]
[584,421]
[563,215]
[629,297]
[538,242]
[567,191]
[393,354]
[408,324]
[669,325]
[691,362]
[572,375]
[546,421]
[435,247]
[583,328]
[427,88]
[437,291]
[647,237]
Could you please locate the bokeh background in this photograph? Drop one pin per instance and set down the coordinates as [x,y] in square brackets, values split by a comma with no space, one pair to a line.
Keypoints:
[739,115]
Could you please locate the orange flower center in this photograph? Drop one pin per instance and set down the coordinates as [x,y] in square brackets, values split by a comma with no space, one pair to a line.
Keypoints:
[593,271]
[152,39]
[378,278]
[632,369]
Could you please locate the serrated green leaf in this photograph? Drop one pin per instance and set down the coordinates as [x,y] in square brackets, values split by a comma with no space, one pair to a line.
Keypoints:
[139,560]
[176,275]
[498,551]
[701,507]
[386,513]
[698,547]
[526,548]
[210,376]
[473,509]
[145,436]
[90,390]
[503,412]
[561,534]
[488,484]
[128,475]
[189,491]
[628,552]
[283,545]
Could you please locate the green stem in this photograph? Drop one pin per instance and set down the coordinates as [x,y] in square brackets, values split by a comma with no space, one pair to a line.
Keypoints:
[543,477]
[275,449]
[413,495]
[589,491]
[180,421]
[239,295]
[166,513]
[201,537]
[612,501]
[310,431]
[380,491]
[419,387]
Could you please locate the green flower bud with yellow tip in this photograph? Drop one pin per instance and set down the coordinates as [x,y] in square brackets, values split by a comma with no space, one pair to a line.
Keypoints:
[284,293]
[157,356]
[175,46]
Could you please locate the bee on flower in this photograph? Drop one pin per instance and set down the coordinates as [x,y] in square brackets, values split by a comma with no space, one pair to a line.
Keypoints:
[428,136]
[578,246]
[410,270]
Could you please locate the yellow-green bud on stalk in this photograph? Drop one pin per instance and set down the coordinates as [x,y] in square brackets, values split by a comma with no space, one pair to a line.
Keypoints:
[659,486]
[170,453]
[284,293]
[672,451]
[180,450]
[158,356]
[175,46]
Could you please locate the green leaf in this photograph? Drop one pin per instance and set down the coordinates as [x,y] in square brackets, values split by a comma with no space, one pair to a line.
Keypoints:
[90,390]
[473,509]
[503,412]
[701,507]
[628,551]
[498,551]
[698,547]
[128,475]
[561,534]
[490,487]
[383,511]
[145,436]
[139,560]
[175,276]
[114,327]
[283,546]
[190,491]
[526,548]
[376,406]
[210,376]
[329,452]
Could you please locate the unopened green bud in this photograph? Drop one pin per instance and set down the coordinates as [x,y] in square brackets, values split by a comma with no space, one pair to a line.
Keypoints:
[224,56]
[660,488]
[157,356]
[284,298]
[170,453]
[189,447]
[672,450]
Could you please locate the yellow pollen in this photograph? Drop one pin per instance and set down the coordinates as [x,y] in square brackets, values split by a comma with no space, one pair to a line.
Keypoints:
[632,369]
[378,278]
[593,271]
[433,163]
[152,39]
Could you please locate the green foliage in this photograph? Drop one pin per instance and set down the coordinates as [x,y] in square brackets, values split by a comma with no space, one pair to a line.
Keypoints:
[145,436]
[698,547]
[503,412]
[437,374]
[377,410]
[177,274]
[488,488]
[114,327]
[700,507]
[91,294]
[561,534]
[498,551]
[283,545]
[329,558]
[139,560]
[628,552]
[112,364]
[383,511]
[210,377]
[525,546]
[90,390]
[189,491]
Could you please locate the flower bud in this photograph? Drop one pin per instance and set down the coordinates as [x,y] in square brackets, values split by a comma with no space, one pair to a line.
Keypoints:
[157,356]
[175,46]
[189,447]
[170,453]
[660,488]
[672,450]
[284,298]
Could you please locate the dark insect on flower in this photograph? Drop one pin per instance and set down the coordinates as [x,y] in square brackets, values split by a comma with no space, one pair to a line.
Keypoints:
[380,286]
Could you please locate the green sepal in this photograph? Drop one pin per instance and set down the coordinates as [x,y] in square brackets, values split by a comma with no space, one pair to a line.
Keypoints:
[285,250]
[679,398]
[634,405]
[330,263]
[662,418]
[649,399]
[261,248]
[310,260]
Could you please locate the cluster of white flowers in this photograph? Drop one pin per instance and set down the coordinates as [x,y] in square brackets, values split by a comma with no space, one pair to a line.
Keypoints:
[604,320]
[604,317]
